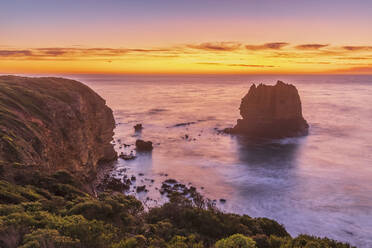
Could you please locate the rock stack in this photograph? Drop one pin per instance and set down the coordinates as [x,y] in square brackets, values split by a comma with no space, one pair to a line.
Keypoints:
[271,112]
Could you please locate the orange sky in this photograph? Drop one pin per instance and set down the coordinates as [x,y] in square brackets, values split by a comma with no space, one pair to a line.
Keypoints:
[186,37]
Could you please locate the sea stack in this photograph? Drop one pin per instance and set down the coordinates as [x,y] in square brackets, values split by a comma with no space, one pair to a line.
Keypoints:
[271,112]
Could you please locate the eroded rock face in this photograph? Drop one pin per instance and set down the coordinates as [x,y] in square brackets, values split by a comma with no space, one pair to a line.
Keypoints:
[54,123]
[271,112]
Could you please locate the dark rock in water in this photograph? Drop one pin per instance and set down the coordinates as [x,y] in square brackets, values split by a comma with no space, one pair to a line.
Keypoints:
[138,127]
[170,181]
[113,184]
[133,178]
[271,112]
[143,145]
[126,156]
[222,200]
[141,188]
[184,124]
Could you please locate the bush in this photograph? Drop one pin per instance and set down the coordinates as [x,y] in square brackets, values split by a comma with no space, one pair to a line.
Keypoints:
[183,242]
[64,177]
[137,241]
[9,209]
[235,241]
[92,210]
[45,238]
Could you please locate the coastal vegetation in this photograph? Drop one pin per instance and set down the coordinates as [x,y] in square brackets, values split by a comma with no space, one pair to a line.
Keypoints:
[40,210]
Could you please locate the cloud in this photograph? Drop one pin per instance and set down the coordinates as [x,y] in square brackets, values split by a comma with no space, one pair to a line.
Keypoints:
[267,46]
[273,50]
[313,63]
[236,65]
[354,58]
[357,48]
[72,53]
[57,52]
[245,65]
[216,46]
[311,46]
[306,55]
[15,53]
[149,50]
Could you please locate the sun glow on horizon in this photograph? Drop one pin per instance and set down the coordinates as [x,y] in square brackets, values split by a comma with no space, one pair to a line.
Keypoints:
[200,58]
[186,37]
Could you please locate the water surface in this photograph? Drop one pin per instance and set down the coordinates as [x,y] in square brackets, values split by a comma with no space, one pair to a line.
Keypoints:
[319,184]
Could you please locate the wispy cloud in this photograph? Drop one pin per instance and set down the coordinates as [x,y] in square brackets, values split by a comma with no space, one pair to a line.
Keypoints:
[267,46]
[15,53]
[313,63]
[357,48]
[359,57]
[256,66]
[237,65]
[216,46]
[65,53]
[311,46]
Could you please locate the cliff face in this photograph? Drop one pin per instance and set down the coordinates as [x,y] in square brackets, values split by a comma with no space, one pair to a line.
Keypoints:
[54,123]
[271,112]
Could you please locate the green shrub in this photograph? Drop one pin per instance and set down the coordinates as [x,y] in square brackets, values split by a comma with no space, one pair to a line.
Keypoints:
[6,209]
[45,238]
[184,242]
[236,241]
[277,242]
[137,241]
[92,210]
[63,176]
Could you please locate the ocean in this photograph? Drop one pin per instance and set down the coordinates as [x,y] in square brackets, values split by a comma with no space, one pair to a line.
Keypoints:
[319,184]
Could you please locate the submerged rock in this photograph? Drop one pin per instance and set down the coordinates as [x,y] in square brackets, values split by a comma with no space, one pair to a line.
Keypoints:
[271,112]
[138,127]
[126,156]
[142,145]
[141,189]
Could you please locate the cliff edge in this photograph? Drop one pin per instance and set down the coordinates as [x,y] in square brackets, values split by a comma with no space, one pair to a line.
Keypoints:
[54,123]
[271,112]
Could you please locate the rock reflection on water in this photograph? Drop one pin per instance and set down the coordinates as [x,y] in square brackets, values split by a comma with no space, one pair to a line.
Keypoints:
[268,154]
[267,174]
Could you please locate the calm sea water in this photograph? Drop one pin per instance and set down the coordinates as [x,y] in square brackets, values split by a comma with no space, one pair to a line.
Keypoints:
[320,184]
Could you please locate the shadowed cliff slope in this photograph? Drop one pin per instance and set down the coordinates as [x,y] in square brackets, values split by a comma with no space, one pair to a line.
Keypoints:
[54,123]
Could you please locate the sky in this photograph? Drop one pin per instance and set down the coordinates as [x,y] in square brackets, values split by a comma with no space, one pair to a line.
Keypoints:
[193,36]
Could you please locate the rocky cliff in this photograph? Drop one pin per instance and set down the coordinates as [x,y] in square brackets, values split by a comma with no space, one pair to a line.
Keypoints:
[54,123]
[271,112]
